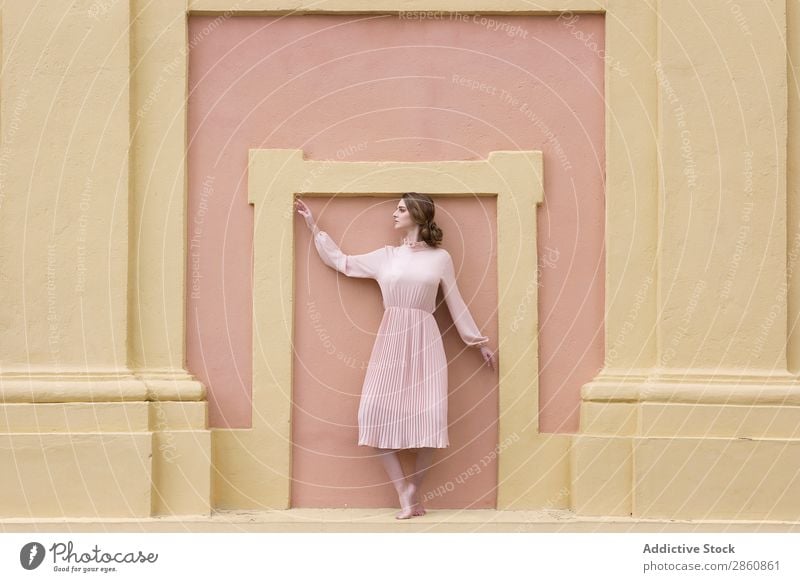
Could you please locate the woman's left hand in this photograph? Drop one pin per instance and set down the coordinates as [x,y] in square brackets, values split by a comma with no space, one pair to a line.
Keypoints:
[489,357]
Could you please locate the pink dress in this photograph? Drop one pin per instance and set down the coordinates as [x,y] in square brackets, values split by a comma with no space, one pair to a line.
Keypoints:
[404,396]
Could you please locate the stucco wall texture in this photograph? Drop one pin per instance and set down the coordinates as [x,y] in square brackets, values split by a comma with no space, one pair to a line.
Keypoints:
[385,87]
[695,414]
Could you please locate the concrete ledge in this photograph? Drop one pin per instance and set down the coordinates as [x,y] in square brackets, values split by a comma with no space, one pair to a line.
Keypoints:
[382,520]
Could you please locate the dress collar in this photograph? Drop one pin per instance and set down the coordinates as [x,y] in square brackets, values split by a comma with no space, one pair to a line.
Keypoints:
[414,245]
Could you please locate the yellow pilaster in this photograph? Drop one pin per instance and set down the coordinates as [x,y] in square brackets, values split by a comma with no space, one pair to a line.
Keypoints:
[706,426]
[64,186]
[722,126]
[158,195]
[158,251]
[64,191]
[93,433]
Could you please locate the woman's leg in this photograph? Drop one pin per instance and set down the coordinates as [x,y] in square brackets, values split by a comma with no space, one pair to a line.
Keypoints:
[405,489]
[424,461]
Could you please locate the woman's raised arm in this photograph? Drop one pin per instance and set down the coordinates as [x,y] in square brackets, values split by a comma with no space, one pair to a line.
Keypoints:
[366,266]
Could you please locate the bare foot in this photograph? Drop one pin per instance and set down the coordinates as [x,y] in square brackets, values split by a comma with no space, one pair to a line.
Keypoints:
[418,508]
[407,501]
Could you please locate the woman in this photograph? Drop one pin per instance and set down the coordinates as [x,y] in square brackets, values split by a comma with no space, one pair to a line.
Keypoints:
[404,397]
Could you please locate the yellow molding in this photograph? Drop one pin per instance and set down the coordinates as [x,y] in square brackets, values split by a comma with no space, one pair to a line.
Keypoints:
[514,7]
[277,175]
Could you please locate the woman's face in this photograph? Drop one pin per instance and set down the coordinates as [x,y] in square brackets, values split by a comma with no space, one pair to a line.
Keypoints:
[402,217]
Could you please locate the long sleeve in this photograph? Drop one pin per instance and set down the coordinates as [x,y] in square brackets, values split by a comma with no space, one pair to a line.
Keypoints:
[466,326]
[364,266]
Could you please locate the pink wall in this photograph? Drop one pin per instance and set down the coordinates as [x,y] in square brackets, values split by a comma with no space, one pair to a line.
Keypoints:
[357,88]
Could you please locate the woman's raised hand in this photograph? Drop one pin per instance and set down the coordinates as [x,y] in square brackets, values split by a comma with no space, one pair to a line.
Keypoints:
[305,212]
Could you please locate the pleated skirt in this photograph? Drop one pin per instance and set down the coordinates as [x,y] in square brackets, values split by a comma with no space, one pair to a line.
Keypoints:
[404,397]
